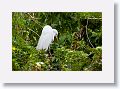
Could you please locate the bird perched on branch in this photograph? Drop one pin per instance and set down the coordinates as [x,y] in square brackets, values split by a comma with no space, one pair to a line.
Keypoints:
[46,38]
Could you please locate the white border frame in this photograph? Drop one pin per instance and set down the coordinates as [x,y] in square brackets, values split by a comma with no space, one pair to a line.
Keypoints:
[104,76]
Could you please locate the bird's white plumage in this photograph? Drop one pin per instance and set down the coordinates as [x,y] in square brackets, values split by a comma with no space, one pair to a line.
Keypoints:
[46,38]
[55,33]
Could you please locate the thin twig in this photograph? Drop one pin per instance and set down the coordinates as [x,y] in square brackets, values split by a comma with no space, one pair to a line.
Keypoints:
[94,18]
[32,16]
[33,31]
[88,36]
[34,19]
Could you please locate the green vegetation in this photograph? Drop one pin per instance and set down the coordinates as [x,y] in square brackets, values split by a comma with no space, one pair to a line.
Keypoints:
[78,48]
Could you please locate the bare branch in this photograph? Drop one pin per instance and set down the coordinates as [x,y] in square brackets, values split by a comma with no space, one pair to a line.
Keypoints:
[34,19]
[88,36]
[33,31]
[94,18]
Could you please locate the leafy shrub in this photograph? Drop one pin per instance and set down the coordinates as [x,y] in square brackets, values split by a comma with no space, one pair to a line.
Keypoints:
[68,52]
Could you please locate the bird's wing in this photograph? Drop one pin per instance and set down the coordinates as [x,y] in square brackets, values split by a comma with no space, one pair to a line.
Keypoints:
[39,45]
[45,41]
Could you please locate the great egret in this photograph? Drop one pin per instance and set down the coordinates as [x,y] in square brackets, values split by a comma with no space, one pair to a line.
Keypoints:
[46,38]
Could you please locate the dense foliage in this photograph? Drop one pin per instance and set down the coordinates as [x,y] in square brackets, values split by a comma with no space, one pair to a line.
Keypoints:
[78,47]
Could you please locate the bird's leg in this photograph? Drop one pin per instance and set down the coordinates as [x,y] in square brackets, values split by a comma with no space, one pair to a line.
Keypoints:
[50,58]
[49,53]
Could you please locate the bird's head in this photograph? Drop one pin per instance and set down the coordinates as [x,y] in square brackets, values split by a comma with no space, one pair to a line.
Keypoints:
[55,32]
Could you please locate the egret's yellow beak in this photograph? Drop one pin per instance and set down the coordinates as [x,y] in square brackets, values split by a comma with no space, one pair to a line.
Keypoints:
[56,38]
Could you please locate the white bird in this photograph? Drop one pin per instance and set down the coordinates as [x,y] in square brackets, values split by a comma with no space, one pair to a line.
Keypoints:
[46,38]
